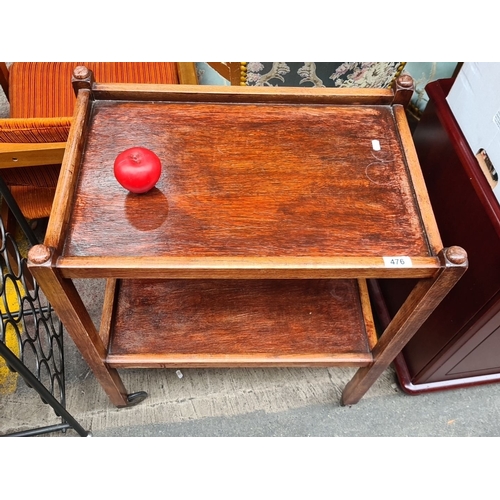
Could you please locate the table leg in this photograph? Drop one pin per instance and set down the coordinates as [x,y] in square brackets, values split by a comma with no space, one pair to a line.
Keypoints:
[423,299]
[67,303]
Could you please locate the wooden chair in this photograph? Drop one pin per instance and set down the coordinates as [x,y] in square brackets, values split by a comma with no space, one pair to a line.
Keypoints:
[41,97]
[234,72]
[308,74]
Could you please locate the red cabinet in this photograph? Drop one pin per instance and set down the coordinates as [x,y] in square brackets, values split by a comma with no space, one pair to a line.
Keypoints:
[459,345]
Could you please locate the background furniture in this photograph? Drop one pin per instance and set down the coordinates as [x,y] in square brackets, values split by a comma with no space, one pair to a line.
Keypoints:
[32,140]
[307,74]
[304,74]
[459,345]
[255,245]
[221,73]
[424,73]
[31,334]
[323,74]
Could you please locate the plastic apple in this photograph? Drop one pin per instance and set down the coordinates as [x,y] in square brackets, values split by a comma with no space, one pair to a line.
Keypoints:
[137,169]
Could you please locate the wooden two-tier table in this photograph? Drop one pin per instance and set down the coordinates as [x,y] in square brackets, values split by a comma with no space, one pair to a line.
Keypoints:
[274,208]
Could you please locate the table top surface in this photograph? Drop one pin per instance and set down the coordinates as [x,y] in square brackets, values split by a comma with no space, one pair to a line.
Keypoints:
[247,180]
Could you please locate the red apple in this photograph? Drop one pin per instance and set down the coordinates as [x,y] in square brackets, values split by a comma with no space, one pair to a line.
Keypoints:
[137,169]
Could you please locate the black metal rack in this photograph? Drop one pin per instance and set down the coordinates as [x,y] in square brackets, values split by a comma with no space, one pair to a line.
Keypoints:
[31,334]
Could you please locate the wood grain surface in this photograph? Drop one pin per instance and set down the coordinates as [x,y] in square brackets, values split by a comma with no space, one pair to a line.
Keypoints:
[247,180]
[239,322]
[261,189]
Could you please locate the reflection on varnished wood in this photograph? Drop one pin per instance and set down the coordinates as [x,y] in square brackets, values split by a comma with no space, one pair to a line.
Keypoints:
[248,180]
[273,317]
[137,213]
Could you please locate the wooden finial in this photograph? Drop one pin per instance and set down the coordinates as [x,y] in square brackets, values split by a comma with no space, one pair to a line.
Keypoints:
[404,81]
[82,78]
[403,88]
[81,72]
[456,255]
[39,254]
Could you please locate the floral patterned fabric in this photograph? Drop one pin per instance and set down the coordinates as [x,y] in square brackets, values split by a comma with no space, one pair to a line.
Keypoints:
[323,74]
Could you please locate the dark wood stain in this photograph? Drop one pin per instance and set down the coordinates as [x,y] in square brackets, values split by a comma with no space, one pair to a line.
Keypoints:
[256,317]
[247,180]
[261,189]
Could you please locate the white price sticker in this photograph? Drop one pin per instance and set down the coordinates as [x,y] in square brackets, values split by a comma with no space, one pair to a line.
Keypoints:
[400,261]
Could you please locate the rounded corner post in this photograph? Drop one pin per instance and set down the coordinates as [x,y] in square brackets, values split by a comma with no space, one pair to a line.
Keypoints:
[68,305]
[82,78]
[455,256]
[403,88]
[423,299]
[39,255]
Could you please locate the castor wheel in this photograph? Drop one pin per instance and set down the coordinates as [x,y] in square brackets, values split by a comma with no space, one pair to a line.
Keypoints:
[136,397]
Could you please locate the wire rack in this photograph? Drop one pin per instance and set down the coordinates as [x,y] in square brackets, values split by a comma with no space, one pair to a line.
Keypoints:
[31,334]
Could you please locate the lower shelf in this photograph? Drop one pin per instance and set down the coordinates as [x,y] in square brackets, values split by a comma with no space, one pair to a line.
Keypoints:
[202,323]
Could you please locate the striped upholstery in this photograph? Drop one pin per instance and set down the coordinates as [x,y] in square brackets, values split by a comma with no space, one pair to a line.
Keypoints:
[34,202]
[40,90]
[34,130]
[41,106]
[40,176]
